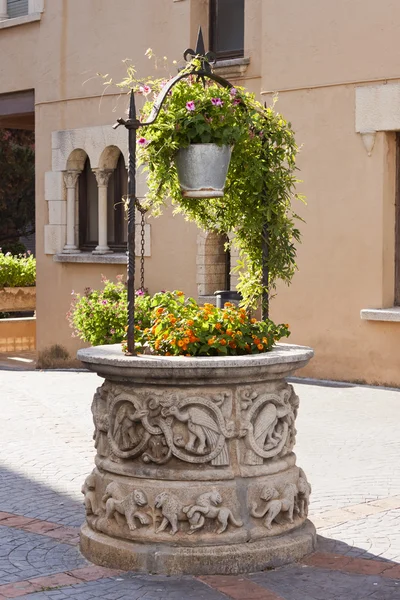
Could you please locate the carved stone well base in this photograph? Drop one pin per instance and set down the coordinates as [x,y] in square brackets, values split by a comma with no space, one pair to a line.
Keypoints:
[195,471]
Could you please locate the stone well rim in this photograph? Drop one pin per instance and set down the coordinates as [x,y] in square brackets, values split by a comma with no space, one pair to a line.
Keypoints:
[113,356]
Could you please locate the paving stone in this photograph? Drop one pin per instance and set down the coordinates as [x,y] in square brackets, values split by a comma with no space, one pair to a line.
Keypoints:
[347,444]
[25,555]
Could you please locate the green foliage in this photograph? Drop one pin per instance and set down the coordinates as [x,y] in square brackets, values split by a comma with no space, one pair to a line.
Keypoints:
[17,189]
[261,181]
[17,271]
[170,324]
[100,316]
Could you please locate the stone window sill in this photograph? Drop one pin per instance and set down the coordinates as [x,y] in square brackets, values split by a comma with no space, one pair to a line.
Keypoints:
[232,67]
[20,20]
[381,314]
[116,258]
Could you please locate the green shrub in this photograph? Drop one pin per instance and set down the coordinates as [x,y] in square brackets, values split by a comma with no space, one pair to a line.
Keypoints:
[17,271]
[100,316]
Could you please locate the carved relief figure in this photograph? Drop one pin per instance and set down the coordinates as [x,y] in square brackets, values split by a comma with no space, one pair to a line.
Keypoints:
[268,425]
[206,506]
[204,432]
[170,509]
[88,490]
[276,504]
[101,421]
[128,430]
[119,504]
[303,495]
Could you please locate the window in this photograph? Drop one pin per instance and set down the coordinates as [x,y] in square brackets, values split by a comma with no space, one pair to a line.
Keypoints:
[227,28]
[116,223]
[88,209]
[17,8]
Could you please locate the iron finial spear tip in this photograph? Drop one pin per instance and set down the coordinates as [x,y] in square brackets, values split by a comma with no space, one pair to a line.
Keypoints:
[200,49]
[132,106]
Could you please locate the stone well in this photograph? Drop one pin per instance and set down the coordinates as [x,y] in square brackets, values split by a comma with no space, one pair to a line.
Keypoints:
[195,471]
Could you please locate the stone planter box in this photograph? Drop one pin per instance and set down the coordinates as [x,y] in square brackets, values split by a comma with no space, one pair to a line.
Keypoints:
[17,299]
[195,470]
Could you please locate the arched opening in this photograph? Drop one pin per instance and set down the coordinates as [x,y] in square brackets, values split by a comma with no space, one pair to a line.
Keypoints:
[88,208]
[117,191]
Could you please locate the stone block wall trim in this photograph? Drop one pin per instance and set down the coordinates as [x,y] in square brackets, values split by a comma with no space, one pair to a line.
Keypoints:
[381,314]
[54,188]
[20,20]
[234,68]
[88,257]
[377,108]
[93,140]
[54,238]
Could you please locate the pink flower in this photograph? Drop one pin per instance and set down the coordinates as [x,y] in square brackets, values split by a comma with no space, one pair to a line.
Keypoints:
[143,142]
[217,102]
[233,91]
[145,90]
[139,293]
[236,102]
[190,105]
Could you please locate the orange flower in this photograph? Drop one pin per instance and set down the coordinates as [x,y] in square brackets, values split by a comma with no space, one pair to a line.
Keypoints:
[173,342]
[190,322]
[225,316]
[229,332]
[227,304]
[265,340]
[217,326]
[287,325]
[181,343]
[186,340]
[260,346]
[157,345]
[223,342]
[232,345]
[253,320]
[257,341]
[159,310]
[211,341]
[184,347]
[188,332]
[247,346]
[179,293]
[168,354]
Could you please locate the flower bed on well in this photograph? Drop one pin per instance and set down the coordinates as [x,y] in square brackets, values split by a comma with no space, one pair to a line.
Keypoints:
[170,324]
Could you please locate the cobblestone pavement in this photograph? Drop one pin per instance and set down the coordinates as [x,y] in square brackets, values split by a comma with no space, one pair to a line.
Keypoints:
[348,444]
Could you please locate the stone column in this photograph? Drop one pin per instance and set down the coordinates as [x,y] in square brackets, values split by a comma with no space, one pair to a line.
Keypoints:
[3,10]
[102,176]
[70,179]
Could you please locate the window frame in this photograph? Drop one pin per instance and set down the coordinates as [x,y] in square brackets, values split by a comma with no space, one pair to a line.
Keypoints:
[213,28]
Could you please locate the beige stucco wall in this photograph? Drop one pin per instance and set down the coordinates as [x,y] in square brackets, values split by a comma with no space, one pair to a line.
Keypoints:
[314,55]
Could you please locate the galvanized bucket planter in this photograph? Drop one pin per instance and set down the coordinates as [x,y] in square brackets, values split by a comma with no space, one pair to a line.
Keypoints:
[202,170]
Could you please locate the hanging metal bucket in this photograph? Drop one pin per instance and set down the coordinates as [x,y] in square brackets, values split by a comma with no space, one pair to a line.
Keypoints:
[202,170]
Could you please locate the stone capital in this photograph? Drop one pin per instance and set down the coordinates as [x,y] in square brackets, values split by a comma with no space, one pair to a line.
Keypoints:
[102,176]
[70,178]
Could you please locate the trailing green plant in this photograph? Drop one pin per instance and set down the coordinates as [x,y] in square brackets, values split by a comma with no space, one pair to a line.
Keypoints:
[257,205]
[17,271]
[170,324]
